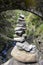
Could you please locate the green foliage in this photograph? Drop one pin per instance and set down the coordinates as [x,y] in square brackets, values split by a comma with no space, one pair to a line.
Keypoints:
[39,30]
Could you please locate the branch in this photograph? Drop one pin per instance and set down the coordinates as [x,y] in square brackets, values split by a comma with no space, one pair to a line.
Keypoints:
[5,37]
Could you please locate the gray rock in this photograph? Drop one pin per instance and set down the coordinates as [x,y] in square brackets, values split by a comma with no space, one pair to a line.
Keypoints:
[21,22]
[19,33]
[19,28]
[21,16]
[18,25]
[19,39]
[21,19]
[24,35]
[25,46]
[22,45]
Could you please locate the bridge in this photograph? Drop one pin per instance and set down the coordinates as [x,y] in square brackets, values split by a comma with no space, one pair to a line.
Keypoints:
[33,6]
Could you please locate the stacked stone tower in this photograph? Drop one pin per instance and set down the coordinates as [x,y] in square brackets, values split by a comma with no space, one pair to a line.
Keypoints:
[23,51]
[21,44]
[21,26]
[21,36]
[20,32]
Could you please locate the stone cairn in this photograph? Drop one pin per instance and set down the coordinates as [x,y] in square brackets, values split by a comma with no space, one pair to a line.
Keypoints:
[23,51]
[22,47]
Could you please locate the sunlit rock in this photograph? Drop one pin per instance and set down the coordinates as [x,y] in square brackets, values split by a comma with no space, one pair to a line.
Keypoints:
[23,56]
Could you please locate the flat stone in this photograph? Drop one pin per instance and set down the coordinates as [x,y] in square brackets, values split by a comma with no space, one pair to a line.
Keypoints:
[19,39]
[21,19]
[18,25]
[21,22]
[19,28]
[21,16]
[19,33]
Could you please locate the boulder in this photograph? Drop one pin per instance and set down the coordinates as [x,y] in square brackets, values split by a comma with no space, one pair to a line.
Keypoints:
[23,56]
